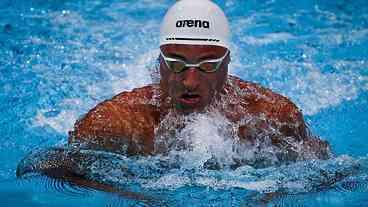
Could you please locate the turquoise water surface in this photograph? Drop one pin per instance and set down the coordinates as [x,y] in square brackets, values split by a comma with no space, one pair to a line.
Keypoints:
[59,58]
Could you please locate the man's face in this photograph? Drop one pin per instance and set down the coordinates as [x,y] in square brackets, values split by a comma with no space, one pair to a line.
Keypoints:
[192,89]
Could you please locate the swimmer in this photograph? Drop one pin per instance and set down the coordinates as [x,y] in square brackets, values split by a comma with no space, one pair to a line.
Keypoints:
[193,67]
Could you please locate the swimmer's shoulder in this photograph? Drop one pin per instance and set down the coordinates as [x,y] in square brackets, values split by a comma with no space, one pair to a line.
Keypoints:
[279,108]
[129,117]
[259,99]
[139,96]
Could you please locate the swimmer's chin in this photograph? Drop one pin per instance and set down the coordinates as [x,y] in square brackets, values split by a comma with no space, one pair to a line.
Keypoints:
[187,109]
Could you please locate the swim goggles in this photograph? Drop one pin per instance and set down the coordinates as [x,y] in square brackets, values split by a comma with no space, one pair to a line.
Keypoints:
[207,66]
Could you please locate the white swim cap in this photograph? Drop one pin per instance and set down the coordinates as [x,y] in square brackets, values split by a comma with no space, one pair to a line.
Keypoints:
[195,22]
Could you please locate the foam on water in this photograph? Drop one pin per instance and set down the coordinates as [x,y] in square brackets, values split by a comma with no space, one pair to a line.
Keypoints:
[157,173]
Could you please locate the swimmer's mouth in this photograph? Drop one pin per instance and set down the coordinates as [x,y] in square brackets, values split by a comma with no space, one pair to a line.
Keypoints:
[190,98]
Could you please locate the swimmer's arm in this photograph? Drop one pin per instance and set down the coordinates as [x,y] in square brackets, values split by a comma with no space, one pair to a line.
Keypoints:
[65,166]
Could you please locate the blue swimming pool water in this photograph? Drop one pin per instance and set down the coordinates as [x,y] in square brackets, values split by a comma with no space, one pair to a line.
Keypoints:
[60,58]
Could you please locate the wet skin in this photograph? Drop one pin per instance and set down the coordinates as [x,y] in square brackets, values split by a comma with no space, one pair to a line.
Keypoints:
[192,89]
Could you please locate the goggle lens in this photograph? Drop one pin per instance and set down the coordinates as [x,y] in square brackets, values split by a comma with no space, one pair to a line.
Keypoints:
[178,66]
[209,67]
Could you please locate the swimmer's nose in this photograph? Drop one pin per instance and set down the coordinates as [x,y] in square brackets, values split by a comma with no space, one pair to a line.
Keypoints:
[191,79]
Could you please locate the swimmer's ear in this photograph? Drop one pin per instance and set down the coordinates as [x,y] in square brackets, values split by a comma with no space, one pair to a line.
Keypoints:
[228,58]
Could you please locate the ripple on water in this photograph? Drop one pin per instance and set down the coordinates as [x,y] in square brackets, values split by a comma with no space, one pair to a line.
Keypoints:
[43,191]
[359,185]
[43,183]
[153,181]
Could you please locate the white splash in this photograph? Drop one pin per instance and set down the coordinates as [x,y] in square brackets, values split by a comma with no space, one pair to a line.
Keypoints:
[267,38]
[137,74]
[324,90]
[62,123]
[260,186]
[309,87]
[207,137]
[168,181]
[61,118]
